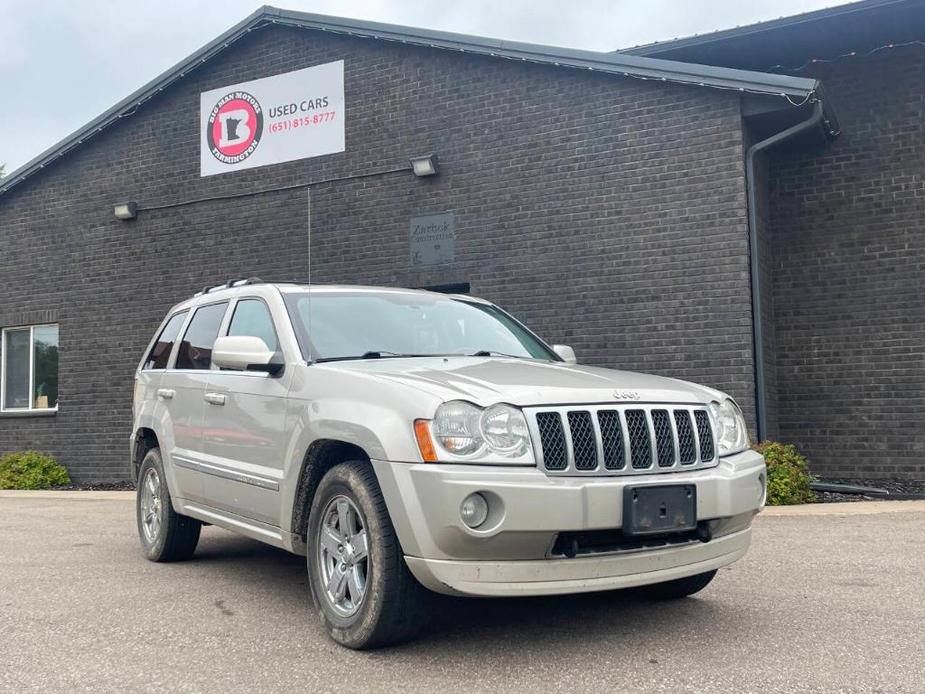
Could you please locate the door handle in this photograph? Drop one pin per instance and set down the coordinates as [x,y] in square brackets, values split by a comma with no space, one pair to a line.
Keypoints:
[215,398]
[166,393]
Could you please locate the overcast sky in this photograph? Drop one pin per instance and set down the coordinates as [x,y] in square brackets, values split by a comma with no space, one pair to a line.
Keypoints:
[63,62]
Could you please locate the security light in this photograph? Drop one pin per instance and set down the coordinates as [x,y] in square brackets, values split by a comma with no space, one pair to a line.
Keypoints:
[425,165]
[126,210]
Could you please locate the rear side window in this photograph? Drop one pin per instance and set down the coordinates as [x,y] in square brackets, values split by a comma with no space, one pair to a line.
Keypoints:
[196,349]
[252,318]
[160,352]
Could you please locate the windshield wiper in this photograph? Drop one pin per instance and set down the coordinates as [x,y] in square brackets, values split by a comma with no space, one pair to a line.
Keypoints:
[372,354]
[493,353]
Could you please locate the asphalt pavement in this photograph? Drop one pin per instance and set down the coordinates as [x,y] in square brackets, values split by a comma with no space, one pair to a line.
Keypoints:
[827,600]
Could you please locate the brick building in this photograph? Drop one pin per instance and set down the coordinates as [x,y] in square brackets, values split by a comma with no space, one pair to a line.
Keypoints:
[845,247]
[605,199]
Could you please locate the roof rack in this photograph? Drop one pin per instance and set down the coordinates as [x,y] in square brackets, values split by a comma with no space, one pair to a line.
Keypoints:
[234,282]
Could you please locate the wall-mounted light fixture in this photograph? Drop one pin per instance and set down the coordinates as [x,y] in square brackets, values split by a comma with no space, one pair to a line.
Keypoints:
[126,210]
[425,165]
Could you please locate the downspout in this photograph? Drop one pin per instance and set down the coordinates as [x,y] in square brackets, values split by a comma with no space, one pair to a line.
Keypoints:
[754,255]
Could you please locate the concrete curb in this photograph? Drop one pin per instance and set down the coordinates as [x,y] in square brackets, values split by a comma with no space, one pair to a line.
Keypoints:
[69,495]
[847,508]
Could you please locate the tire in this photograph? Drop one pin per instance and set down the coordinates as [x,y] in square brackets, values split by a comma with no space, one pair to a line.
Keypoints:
[165,534]
[679,588]
[381,602]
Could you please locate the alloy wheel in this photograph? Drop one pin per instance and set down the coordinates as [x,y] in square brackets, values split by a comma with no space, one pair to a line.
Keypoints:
[343,550]
[151,506]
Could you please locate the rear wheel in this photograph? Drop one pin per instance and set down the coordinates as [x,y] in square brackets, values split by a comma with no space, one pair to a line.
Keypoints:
[165,534]
[364,593]
[679,588]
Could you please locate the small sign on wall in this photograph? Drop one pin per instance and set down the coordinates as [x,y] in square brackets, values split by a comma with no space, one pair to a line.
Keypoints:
[291,116]
[433,239]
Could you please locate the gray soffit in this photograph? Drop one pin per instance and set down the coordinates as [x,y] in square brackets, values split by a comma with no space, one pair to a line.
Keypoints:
[797,90]
[660,47]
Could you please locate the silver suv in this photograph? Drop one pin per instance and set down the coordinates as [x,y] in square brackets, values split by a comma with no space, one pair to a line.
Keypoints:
[405,440]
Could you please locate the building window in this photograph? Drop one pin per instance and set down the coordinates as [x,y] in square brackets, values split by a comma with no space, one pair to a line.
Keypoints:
[29,369]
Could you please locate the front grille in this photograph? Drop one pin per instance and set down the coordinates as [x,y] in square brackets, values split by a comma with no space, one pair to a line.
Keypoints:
[622,439]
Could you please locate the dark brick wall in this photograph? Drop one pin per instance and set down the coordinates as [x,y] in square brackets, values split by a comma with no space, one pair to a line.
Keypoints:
[765,277]
[607,213]
[849,263]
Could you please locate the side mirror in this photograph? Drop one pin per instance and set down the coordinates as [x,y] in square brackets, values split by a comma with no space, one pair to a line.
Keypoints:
[566,353]
[246,353]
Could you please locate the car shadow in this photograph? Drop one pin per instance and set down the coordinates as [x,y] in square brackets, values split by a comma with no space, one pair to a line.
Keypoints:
[458,622]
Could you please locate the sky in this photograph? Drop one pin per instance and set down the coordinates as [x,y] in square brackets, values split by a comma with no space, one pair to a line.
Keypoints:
[63,62]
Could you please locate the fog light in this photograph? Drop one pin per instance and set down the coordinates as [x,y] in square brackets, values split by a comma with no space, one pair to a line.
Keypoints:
[474,510]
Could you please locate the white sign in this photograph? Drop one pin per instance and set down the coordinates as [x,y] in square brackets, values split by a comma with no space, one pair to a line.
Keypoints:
[268,121]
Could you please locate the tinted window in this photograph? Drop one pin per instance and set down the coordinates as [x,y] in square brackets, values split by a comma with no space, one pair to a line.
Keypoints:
[160,353]
[252,318]
[196,349]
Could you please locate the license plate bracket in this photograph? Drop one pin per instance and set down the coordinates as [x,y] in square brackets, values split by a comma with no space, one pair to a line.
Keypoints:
[659,509]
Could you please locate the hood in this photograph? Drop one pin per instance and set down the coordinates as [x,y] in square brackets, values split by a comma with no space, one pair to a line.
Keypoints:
[525,382]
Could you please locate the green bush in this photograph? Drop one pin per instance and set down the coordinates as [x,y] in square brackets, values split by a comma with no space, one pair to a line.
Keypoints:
[31,470]
[788,474]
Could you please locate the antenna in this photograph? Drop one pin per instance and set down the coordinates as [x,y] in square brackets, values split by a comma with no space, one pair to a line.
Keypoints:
[308,222]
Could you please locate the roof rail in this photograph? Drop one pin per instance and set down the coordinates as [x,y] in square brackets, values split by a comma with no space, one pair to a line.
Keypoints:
[234,282]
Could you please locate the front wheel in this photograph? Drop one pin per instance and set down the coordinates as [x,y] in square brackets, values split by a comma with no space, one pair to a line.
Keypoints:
[679,588]
[165,534]
[364,592]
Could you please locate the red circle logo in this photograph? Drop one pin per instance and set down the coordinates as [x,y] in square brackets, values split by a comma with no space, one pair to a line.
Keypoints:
[235,127]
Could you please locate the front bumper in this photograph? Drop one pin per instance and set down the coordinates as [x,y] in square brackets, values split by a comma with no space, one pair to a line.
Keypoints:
[511,553]
[555,576]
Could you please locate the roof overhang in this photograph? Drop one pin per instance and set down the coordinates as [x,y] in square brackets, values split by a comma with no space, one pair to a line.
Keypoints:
[827,14]
[795,90]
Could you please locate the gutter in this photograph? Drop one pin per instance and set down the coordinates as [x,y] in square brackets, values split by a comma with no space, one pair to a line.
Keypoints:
[754,256]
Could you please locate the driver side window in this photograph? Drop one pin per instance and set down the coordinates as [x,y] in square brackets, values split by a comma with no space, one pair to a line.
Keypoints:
[196,349]
[252,318]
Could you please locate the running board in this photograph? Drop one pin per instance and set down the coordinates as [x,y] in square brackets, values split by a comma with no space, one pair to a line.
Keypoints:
[255,530]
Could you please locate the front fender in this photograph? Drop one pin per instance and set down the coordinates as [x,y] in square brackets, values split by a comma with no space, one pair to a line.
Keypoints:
[338,406]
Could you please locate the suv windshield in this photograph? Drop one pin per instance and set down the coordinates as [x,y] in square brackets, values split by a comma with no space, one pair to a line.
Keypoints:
[353,325]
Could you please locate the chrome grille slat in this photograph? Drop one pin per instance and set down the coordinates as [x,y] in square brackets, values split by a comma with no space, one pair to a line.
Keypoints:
[621,439]
[687,446]
[664,438]
[611,433]
[552,439]
[584,444]
[640,439]
[704,434]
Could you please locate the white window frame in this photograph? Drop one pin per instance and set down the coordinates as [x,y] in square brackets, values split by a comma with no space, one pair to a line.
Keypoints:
[3,353]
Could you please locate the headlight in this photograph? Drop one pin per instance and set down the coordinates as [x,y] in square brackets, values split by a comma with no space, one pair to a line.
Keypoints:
[731,432]
[504,429]
[464,432]
[456,428]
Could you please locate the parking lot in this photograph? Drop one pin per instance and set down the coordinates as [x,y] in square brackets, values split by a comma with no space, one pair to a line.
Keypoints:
[829,602]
